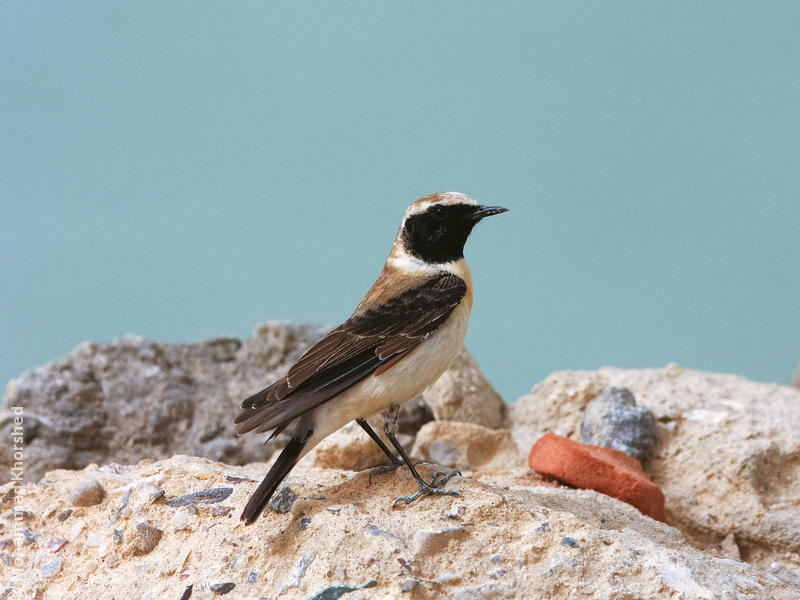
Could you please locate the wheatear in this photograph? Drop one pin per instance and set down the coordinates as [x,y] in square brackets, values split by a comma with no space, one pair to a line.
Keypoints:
[403,335]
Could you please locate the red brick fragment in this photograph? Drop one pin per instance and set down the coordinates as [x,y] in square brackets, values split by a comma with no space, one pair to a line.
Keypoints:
[605,470]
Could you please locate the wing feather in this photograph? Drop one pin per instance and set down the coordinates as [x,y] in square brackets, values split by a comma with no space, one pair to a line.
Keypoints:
[368,340]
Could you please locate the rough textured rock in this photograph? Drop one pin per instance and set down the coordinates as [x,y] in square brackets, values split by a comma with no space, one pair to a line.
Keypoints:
[467,446]
[613,420]
[509,541]
[727,455]
[597,468]
[463,394]
[350,448]
[135,399]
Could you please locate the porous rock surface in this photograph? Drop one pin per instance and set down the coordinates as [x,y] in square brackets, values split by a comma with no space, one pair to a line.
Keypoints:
[505,539]
[727,455]
[137,399]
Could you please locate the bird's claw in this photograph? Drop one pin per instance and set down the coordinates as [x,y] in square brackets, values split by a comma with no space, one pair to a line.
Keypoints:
[434,488]
[382,469]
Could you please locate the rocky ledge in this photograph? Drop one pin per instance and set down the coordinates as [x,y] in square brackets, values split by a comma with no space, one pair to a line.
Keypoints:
[170,529]
[155,523]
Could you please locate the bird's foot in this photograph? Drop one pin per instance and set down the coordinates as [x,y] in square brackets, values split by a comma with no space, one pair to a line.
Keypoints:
[391,467]
[434,488]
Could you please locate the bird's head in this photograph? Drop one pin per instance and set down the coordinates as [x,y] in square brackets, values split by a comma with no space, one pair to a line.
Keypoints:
[436,227]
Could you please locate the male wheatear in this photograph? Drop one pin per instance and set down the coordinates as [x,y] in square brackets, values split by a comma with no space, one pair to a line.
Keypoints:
[406,332]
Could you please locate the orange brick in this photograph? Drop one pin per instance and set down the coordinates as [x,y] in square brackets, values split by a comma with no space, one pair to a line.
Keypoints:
[605,470]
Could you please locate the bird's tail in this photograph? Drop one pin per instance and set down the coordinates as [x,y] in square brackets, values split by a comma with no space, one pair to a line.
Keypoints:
[280,469]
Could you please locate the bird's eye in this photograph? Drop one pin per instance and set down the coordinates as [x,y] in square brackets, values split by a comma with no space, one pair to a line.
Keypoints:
[438,211]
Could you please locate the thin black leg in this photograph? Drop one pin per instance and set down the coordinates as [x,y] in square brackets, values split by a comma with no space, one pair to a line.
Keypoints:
[371,433]
[404,455]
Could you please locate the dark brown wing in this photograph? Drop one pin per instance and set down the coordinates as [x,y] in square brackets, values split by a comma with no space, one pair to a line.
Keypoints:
[352,352]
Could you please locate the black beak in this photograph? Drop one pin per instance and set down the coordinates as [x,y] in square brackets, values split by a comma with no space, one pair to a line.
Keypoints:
[486,211]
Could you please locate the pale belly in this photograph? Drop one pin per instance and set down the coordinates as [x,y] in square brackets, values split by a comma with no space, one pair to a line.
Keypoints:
[402,382]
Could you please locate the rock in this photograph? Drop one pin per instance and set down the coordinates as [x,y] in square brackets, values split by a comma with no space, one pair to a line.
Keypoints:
[283,500]
[52,568]
[613,420]
[220,589]
[617,552]
[136,399]
[467,446]
[350,448]
[87,493]
[605,470]
[149,537]
[414,415]
[727,456]
[181,520]
[463,394]
[210,496]
[335,592]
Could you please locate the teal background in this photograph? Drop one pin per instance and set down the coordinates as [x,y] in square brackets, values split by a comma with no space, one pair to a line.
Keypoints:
[189,169]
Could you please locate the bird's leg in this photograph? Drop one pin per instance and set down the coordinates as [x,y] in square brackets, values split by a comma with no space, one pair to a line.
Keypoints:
[434,487]
[394,462]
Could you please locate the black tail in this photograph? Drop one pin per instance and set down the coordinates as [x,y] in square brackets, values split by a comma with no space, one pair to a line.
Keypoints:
[280,469]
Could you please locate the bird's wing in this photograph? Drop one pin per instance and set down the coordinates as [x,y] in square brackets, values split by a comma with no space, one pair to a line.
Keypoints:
[352,352]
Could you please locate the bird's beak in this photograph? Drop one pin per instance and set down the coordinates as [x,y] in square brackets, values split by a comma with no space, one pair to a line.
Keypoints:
[486,211]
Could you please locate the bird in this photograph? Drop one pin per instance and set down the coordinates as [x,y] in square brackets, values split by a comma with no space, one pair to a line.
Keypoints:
[402,336]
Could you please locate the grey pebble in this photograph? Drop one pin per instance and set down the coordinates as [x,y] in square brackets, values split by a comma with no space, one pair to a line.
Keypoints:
[252,577]
[87,493]
[209,496]
[373,530]
[304,522]
[283,500]
[408,585]
[613,420]
[220,511]
[64,515]
[220,589]
[570,542]
[53,567]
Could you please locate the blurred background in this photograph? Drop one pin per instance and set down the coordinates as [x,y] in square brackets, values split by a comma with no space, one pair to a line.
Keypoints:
[190,169]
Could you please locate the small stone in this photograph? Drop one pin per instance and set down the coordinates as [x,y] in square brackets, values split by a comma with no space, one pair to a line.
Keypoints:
[209,496]
[87,493]
[334,509]
[373,530]
[569,542]
[28,537]
[187,593]
[118,536]
[299,570]
[52,568]
[220,589]
[334,592]
[64,515]
[614,421]
[408,585]
[496,559]
[304,522]
[181,520]
[252,577]
[283,500]
[149,536]
[219,511]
